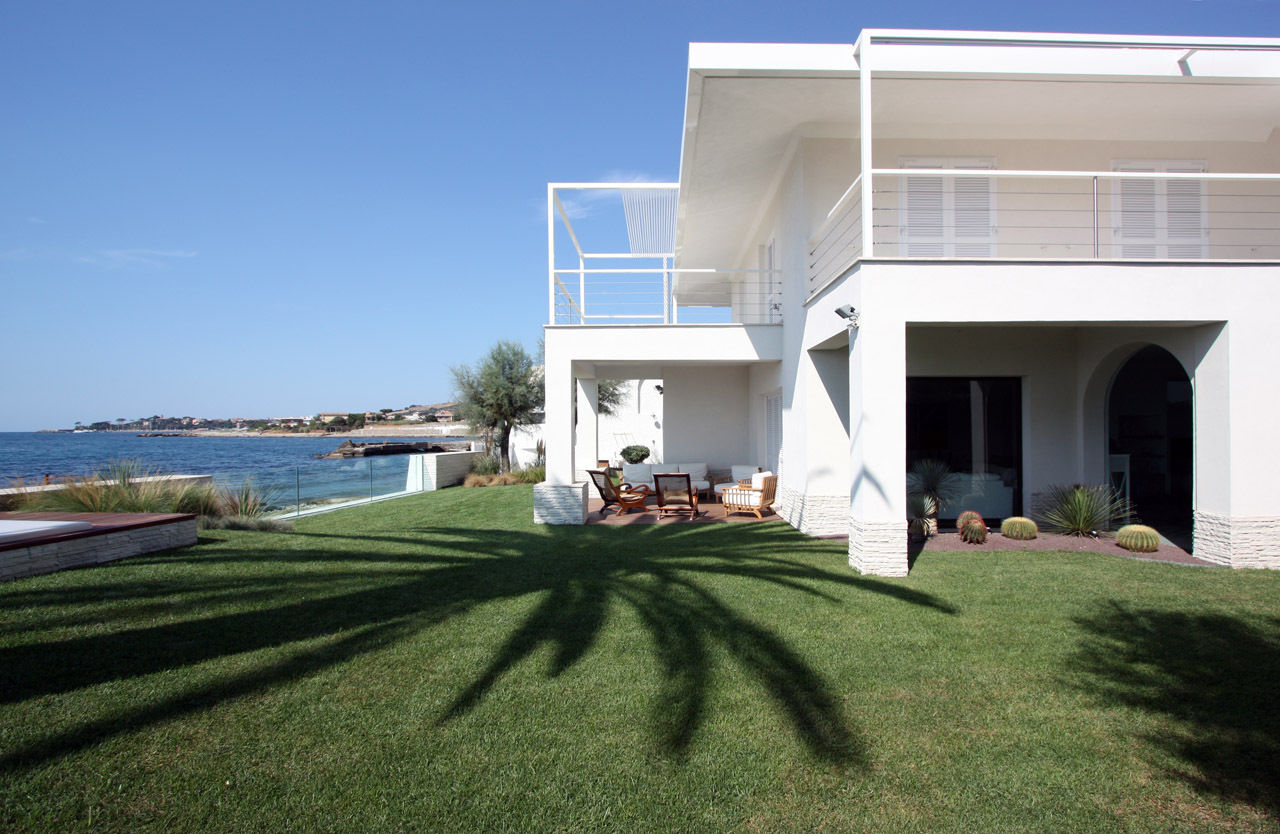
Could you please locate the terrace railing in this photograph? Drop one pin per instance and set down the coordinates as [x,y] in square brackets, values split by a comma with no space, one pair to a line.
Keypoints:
[628,295]
[988,214]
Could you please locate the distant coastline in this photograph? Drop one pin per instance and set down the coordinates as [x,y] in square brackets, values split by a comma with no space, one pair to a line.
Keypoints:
[430,430]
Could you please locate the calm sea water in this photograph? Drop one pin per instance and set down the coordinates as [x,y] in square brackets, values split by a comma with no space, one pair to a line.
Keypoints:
[29,456]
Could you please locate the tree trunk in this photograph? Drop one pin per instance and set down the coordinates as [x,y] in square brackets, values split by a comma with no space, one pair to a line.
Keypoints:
[504,444]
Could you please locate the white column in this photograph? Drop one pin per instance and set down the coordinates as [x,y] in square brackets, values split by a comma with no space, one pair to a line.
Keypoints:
[866,161]
[878,446]
[559,499]
[558,431]
[586,433]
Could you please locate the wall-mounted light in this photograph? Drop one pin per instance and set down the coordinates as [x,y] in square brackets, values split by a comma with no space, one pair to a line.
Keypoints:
[658,388]
[849,313]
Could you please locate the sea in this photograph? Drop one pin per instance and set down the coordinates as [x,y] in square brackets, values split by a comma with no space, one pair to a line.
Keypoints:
[288,465]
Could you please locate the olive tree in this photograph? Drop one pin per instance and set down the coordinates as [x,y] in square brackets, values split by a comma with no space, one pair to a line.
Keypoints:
[500,394]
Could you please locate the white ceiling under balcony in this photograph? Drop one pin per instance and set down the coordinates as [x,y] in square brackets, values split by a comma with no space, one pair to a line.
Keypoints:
[739,128]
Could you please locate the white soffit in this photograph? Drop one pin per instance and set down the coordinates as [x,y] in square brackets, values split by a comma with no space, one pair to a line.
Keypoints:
[747,103]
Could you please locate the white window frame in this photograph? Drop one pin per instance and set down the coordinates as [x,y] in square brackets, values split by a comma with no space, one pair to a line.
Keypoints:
[1152,239]
[947,242]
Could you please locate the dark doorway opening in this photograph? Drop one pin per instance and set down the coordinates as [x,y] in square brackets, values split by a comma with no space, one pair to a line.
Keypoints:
[1149,435]
[974,425]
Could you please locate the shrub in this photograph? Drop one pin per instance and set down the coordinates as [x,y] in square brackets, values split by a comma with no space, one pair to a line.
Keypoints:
[974,532]
[1083,510]
[531,474]
[244,501]
[1138,538]
[486,465]
[635,454]
[127,486]
[966,517]
[922,511]
[1017,527]
[239,522]
[476,479]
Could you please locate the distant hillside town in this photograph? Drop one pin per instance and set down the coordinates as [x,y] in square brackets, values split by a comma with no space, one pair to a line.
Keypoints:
[325,421]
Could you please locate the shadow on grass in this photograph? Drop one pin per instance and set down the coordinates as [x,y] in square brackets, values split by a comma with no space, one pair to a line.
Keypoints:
[573,576]
[1213,679]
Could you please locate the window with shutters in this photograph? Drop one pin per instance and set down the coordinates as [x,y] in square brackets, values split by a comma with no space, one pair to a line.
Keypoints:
[773,430]
[1160,218]
[946,216]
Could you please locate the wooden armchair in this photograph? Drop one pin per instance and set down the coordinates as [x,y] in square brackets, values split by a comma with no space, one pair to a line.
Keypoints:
[755,496]
[676,495]
[626,496]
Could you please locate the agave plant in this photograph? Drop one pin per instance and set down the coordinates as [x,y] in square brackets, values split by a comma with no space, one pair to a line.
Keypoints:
[1083,510]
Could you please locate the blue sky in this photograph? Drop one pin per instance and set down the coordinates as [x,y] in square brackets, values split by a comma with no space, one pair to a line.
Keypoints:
[257,209]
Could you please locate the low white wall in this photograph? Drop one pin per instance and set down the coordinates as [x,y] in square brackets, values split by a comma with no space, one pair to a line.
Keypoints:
[438,470]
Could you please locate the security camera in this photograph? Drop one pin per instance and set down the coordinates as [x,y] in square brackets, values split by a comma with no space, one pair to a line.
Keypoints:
[849,313]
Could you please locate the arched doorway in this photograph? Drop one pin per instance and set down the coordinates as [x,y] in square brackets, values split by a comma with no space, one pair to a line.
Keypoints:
[1149,436]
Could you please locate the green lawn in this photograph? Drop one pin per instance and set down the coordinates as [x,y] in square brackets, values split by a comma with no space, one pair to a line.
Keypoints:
[441,663]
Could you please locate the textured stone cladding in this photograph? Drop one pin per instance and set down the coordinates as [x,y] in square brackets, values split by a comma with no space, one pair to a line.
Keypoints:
[560,503]
[94,550]
[878,547]
[1239,542]
[814,515]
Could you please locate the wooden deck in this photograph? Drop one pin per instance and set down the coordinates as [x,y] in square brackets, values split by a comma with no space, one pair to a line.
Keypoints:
[709,512]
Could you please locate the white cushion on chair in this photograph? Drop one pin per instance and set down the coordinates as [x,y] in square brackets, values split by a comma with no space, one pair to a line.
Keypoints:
[743,471]
[757,480]
[637,474]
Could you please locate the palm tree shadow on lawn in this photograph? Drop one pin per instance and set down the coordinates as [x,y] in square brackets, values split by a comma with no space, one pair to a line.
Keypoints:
[576,574]
[1209,678]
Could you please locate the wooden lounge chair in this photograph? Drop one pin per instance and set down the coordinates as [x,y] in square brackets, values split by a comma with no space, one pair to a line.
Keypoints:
[626,496]
[676,495]
[754,496]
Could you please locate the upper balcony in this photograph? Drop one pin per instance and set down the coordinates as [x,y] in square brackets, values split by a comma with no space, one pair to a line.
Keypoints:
[611,260]
[1146,211]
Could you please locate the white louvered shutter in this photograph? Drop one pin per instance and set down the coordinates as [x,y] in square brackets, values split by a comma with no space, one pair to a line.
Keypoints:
[773,430]
[1185,224]
[974,221]
[1159,218]
[947,217]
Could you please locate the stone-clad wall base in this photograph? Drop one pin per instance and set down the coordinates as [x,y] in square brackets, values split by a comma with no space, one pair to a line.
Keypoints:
[1240,542]
[94,550]
[878,547]
[813,515]
[437,470]
[559,503]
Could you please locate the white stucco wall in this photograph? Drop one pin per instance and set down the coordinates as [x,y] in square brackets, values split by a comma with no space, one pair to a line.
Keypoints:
[706,415]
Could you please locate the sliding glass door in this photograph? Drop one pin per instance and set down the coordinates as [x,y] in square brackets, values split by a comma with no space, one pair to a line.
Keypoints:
[974,425]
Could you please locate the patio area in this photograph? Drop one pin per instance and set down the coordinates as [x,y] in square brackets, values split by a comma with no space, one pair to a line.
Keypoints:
[709,512]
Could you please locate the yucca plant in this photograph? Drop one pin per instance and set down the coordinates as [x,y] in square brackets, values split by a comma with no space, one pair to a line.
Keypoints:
[934,480]
[1083,510]
[922,512]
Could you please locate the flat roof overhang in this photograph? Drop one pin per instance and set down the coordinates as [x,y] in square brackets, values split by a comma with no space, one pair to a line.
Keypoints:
[748,106]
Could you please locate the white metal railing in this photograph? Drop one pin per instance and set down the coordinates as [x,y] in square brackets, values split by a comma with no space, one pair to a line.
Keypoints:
[666,296]
[641,284]
[989,214]
[838,241]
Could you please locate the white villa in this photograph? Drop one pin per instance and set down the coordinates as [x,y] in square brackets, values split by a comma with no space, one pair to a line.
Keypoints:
[1040,258]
